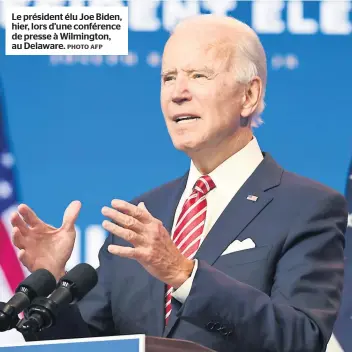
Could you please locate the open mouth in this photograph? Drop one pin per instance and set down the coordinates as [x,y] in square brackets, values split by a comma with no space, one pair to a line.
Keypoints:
[186,118]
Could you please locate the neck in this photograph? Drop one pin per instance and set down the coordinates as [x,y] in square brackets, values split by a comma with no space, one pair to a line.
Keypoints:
[210,158]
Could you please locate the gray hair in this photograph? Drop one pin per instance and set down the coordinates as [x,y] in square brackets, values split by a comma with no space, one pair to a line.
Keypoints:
[251,62]
[250,58]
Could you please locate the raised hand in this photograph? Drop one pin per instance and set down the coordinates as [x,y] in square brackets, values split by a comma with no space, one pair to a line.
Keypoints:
[42,245]
[152,245]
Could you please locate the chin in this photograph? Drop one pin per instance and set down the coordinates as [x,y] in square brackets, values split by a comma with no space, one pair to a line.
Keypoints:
[187,146]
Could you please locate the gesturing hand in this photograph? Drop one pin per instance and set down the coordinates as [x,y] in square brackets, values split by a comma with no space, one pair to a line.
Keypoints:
[152,245]
[43,246]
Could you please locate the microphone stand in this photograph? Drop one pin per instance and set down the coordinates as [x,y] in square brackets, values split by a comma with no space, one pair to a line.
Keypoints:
[4,317]
[27,334]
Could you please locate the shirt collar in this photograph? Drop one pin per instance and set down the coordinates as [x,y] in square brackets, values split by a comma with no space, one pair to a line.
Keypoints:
[236,168]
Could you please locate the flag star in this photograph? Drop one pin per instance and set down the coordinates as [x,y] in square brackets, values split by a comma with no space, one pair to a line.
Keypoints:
[351,177]
[5,189]
[349,221]
[7,160]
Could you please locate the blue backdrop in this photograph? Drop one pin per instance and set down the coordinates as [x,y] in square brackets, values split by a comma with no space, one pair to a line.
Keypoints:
[91,128]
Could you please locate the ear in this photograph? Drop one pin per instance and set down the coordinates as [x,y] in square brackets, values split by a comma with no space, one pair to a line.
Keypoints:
[251,97]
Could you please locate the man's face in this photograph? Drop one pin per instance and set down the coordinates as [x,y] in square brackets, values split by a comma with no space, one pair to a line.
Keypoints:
[200,99]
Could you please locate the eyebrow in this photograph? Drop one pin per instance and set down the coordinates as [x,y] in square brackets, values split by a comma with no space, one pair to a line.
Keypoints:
[189,70]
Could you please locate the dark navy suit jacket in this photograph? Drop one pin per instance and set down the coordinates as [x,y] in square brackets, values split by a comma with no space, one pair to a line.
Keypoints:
[283,295]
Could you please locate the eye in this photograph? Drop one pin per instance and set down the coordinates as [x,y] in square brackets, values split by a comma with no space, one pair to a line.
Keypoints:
[198,75]
[168,78]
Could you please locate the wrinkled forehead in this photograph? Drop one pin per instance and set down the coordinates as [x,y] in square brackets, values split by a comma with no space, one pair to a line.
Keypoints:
[196,50]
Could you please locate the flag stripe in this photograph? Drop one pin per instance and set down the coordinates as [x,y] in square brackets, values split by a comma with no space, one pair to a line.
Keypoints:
[8,260]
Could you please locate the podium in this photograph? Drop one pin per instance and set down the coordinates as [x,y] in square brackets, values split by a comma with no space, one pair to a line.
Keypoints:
[127,343]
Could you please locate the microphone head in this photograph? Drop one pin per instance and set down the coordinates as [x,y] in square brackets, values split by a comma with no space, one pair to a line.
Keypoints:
[40,283]
[83,277]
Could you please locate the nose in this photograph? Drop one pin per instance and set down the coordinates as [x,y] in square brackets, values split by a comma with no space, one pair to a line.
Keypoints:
[181,91]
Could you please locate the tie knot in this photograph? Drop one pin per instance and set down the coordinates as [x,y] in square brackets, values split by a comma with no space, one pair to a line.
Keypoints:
[204,184]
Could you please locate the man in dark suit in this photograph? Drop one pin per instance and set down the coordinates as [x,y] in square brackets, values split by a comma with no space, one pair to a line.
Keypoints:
[238,254]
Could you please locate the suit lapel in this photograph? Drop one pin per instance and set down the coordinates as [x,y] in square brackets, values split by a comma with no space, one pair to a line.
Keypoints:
[164,209]
[237,215]
[241,211]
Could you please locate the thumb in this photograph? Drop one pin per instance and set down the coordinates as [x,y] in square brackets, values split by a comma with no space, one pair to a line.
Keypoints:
[71,215]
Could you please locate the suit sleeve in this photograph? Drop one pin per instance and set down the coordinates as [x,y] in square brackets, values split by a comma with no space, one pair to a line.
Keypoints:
[91,317]
[302,307]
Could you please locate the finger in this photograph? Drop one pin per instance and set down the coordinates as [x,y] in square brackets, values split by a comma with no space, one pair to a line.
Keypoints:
[29,215]
[141,205]
[125,252]
[18,222]
[17,238]
[126,234]
[71,215]
[138,213]
[22,257]
[123,220]
[21,254]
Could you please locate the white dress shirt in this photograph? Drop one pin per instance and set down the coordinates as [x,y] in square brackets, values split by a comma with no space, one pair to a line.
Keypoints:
[228,178]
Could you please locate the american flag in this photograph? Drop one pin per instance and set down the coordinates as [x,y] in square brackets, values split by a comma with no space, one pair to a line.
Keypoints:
[11,270]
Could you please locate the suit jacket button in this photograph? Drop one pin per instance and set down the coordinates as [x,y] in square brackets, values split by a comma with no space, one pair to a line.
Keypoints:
[210,326]
[223,330]
[213,325]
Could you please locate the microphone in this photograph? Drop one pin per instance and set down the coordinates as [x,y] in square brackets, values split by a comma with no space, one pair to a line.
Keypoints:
[72,287]
[40,283]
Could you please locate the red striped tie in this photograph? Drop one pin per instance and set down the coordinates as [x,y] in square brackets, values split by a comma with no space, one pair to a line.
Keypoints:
[189,227]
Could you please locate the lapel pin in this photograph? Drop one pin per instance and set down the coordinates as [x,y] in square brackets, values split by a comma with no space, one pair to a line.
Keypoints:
[252,198]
